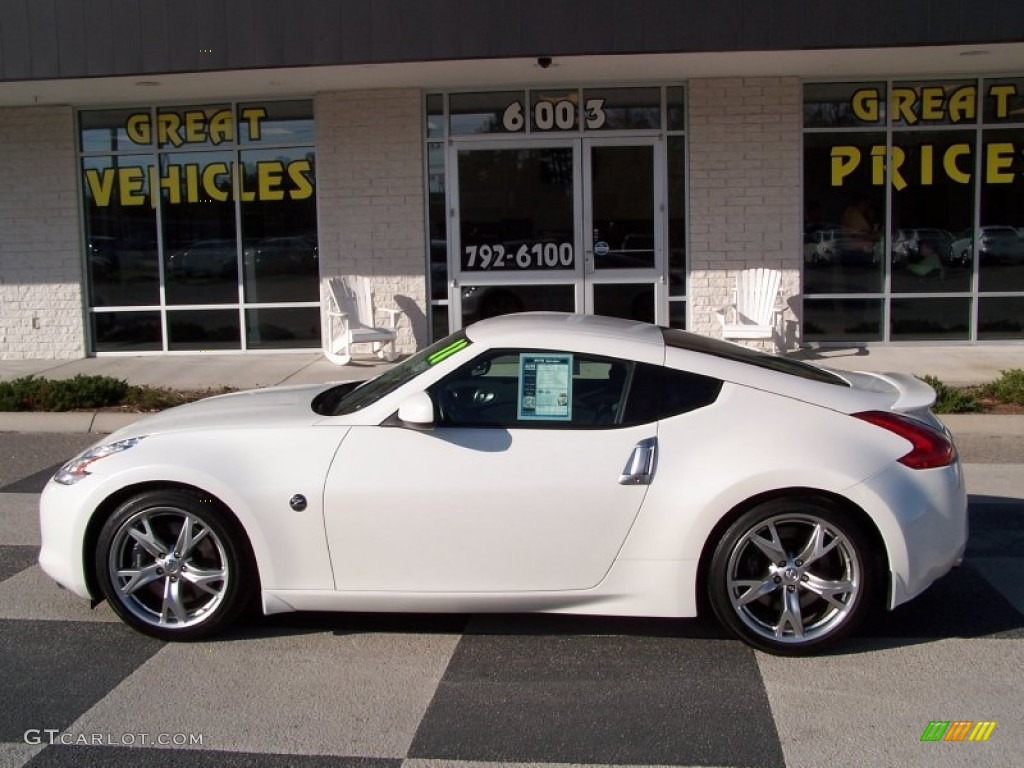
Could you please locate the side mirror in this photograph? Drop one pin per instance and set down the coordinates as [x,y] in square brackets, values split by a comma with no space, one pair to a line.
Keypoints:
[417,411]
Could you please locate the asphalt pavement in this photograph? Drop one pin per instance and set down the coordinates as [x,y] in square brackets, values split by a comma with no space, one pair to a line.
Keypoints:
[465,691]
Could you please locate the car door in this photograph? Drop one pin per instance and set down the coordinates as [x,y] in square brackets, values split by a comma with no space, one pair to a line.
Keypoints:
[525,482]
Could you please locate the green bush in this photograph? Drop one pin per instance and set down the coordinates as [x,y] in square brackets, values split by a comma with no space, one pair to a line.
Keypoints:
[1008,388]
[951,399]
[31,393]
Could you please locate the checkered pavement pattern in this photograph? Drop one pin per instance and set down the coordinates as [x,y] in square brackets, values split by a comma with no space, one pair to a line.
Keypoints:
[79,688]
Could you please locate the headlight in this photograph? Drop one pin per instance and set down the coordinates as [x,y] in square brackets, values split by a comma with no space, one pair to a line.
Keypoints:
[78,468]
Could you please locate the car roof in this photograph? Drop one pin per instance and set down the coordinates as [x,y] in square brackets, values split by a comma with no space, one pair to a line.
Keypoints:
[563,329]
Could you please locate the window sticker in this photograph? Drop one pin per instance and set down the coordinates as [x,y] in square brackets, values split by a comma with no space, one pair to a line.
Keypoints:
[446,352]
[545,387]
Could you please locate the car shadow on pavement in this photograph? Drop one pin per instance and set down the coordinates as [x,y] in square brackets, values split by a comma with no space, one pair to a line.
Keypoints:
[969,602]
[472,624]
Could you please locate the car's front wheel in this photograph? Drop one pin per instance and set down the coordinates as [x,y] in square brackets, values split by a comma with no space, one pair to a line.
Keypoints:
[792,575]
[171,565]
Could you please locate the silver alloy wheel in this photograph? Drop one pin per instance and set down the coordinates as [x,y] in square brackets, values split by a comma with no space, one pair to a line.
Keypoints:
[168,567]
[794,578]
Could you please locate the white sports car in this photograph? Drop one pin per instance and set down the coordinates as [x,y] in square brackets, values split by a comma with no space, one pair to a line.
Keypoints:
[537,462]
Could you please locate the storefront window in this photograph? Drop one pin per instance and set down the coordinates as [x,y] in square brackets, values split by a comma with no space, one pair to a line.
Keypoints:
[623,109]
[233,190]
[999,239]
[486,112]
[844,105]
[121,252]
[844,218]
[200,248]
[932,206]
[907,164]
[280,257]
[437,222]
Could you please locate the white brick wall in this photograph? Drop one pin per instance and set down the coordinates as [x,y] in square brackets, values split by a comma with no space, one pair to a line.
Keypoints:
[370,188]
[41,312]
[745,206]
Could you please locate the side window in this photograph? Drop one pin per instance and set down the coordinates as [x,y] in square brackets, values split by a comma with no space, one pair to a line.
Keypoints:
[533,389]
[657,393]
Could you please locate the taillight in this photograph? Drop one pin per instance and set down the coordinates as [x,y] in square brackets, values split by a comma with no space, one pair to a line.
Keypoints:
[930,448]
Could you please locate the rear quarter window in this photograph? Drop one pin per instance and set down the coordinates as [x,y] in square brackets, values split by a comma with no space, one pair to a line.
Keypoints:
[708,346]
[657,392]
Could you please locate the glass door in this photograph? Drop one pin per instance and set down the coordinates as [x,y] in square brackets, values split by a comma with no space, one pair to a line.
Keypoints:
[569,225]
[516,231]
[624,229]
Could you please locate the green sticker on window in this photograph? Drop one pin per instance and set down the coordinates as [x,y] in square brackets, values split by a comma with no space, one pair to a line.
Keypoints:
[444,354]
[545,387]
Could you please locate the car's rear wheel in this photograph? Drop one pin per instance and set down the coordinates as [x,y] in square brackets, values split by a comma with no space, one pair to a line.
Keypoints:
[792,575]
[172,565]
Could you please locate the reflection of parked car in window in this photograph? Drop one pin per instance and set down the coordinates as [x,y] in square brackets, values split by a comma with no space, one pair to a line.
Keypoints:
[275,255]
[839,245]
[996,245]
[908,246]
[205,258]
[100,253]
[120,258]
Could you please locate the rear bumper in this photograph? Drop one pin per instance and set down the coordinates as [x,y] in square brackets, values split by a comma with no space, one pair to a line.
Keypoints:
[922,516]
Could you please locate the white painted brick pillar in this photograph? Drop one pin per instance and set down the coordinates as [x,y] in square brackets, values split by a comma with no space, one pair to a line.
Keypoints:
[370,199]
[745,206]
[41,276]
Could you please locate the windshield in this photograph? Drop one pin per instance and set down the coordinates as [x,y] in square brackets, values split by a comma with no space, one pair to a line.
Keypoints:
[376,388]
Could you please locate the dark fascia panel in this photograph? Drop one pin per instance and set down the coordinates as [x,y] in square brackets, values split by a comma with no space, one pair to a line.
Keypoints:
[45,39]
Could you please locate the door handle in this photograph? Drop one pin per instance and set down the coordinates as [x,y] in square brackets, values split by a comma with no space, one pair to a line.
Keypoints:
[639,469]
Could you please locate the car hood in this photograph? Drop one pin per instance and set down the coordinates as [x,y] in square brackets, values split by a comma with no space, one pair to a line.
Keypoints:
[252,409]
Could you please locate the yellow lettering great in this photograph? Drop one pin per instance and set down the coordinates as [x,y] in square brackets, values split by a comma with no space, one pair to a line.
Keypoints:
[865,104]
[138,128]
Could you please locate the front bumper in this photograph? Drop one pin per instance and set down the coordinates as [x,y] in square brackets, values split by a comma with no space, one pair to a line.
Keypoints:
[62,525]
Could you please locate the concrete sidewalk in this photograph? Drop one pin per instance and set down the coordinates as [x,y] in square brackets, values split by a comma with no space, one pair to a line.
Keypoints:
[203,371]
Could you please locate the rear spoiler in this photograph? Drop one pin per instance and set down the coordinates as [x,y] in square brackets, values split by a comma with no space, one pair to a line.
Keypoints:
[911,395]
[914,394]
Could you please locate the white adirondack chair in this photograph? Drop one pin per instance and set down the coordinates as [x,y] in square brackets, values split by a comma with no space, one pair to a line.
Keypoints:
[756,306]
[351,320]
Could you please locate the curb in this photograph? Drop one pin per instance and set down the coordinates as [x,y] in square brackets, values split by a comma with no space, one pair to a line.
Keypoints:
[75,422]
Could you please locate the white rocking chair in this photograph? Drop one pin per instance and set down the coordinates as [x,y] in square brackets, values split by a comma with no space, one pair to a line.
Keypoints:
[756,306]
[351,320]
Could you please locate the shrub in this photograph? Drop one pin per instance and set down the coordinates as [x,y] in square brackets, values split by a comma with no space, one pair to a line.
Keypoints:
[31,393]
[1008,388]
[951,399]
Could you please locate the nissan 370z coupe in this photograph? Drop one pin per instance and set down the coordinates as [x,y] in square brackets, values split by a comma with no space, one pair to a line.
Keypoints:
[534,462]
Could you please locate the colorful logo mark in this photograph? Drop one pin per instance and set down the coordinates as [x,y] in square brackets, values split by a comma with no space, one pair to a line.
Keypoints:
[958,730]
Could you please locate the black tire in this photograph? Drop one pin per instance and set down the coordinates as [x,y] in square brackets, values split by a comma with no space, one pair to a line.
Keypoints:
[792,575]
[167,582]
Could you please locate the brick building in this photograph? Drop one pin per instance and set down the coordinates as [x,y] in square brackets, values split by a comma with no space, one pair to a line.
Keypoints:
[185,176]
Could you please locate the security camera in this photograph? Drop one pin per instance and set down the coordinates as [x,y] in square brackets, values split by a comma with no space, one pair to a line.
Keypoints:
[543,62]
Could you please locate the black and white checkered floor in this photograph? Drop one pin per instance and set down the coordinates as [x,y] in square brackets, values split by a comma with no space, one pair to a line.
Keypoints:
[78,688]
